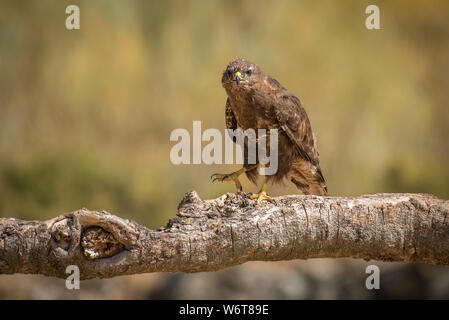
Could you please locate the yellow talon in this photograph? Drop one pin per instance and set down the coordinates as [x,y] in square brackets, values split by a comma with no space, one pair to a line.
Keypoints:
[229,177]
[261,196]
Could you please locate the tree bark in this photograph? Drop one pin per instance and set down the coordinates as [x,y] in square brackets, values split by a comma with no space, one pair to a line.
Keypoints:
[207,235]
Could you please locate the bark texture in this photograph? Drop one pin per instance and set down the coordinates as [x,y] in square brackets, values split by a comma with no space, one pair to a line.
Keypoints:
[207,235]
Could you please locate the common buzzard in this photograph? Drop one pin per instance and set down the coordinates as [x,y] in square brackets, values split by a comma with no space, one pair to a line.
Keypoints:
[257,101]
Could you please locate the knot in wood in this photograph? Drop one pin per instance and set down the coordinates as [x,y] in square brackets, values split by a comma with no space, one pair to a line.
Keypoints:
[61,233]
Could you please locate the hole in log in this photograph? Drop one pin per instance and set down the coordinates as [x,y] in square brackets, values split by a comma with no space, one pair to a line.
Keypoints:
[98,243]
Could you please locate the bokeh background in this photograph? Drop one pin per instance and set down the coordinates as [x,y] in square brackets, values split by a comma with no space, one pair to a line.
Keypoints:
[85,119]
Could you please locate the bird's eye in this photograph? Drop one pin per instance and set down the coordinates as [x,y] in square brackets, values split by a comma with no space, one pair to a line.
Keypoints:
[249,72]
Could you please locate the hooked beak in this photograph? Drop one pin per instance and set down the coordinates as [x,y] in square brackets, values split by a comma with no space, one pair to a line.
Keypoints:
[239,78]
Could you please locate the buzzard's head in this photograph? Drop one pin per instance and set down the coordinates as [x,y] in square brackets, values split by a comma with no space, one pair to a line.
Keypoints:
[240,75]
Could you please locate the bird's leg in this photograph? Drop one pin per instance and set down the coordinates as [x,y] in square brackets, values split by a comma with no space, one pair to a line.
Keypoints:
[262,195]
[234,176]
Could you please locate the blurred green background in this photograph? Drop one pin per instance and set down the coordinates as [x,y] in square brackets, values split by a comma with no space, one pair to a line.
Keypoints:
[85,115]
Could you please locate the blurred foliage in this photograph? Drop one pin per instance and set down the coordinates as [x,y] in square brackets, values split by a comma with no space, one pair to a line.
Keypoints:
[85,116]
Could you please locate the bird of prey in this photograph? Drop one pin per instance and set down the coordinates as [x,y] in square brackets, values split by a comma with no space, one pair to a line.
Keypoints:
[257,101]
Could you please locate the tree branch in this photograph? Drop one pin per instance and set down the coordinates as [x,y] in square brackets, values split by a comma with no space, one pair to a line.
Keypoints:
[208,235]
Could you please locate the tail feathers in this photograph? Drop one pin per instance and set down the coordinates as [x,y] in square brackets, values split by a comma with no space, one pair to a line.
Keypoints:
[315,188]
[315,185]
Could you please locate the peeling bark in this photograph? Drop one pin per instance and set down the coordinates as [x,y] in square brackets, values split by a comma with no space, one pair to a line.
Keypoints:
[208,235]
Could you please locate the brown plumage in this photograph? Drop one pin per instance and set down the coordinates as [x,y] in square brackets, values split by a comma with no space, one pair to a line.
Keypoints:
[260,102]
